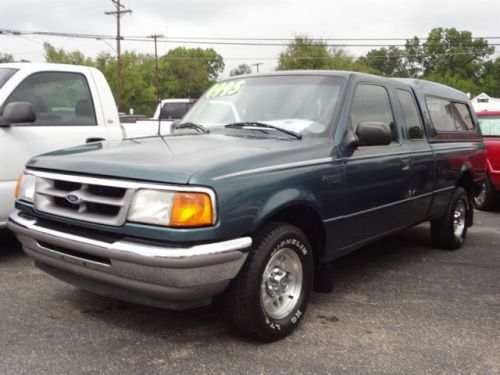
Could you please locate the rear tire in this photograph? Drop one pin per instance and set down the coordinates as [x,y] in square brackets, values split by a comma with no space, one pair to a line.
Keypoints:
[268,298]
[487,198]
[449,231]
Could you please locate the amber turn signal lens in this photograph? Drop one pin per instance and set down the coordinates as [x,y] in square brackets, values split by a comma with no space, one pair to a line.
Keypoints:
[17,191]
[191,210]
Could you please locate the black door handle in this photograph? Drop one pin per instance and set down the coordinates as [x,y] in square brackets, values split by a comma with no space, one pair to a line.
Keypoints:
[96,139]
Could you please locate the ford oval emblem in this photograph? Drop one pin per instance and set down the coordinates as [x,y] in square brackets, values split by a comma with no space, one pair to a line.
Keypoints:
[73,198]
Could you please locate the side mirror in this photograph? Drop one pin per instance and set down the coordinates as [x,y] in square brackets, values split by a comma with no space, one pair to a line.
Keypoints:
[373,133]
[18,112]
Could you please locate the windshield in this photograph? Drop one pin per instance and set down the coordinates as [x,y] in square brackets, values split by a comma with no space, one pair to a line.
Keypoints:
[490,126]
[302,104]
[5,74]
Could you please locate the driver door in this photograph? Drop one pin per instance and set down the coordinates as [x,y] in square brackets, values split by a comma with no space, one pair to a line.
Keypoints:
[377,177]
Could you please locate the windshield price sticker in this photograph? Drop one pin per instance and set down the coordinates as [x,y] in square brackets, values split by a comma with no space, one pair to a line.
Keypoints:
[225,88]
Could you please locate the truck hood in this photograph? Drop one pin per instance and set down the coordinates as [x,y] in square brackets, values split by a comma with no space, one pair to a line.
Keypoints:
[174,159]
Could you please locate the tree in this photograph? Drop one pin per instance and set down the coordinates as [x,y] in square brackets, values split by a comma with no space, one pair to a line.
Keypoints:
[183,73]
[190,71]
[6,58]
[447,56]
[414,57]
[241,69]
[491,78]
[306,53]
[454,53]
[452,57]
[389,62]
[54,55]
[341,59]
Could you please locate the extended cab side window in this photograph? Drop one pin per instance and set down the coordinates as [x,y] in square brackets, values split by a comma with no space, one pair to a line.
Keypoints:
[58,98]
[371,103]
[449,116]
[414,129]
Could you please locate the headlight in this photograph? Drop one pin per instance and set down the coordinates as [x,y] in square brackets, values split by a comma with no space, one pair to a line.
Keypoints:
[25,188]
[172,209]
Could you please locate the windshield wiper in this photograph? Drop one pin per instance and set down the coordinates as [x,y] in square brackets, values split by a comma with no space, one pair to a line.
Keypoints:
[260,126]
[190,125]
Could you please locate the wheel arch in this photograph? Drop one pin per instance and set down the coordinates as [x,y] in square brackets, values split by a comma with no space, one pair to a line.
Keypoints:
[305,215]
[466,180]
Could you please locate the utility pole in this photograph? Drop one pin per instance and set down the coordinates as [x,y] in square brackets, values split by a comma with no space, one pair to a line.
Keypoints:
[118,12]
[157,83]
[257,66]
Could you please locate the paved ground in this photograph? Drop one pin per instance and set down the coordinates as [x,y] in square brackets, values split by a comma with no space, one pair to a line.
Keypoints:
[399,306]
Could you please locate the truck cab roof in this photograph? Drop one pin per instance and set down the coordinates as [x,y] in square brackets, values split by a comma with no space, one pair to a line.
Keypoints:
[36,67]
[419,85]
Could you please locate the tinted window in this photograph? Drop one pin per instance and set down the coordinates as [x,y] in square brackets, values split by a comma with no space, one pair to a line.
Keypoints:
[5,74]
[449,116]
[58,98]
[414,128]
[174,111]
[463,119]
[371,103]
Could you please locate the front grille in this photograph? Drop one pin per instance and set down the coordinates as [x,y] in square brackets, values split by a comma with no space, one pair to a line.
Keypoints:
[62,202]
[93,202]
[66,185]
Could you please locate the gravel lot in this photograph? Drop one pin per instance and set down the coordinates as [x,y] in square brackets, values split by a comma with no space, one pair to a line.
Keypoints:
[399,306]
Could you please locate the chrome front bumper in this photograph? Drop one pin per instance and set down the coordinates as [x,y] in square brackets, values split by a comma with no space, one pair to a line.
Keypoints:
[153,274]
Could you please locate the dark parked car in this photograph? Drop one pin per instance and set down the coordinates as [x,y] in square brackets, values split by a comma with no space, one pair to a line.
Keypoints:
[488,197]
[264,182]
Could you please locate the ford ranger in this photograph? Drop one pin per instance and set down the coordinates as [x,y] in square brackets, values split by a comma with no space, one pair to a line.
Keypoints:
[264,182]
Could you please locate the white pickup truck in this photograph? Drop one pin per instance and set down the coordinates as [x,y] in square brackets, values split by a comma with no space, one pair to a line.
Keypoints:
[173,109]
[44,107]
[167,111]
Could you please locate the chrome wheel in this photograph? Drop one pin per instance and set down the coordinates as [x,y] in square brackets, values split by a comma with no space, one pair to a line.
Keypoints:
[281,284]
[459,219]
[480,198]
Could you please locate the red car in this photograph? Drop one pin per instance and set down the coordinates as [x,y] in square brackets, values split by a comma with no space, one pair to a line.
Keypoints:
[489,196]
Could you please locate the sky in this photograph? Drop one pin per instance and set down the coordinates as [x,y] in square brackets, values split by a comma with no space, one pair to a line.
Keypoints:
[237,18]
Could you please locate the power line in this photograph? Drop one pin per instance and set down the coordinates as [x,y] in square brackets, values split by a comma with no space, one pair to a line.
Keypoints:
[160,38]
[221,41]
[318,39]
[237,38]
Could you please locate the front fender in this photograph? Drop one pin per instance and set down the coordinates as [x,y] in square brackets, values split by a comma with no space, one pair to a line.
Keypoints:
[284,199]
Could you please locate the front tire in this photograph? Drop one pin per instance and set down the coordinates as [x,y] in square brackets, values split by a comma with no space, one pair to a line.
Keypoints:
[449,232]
[268,298]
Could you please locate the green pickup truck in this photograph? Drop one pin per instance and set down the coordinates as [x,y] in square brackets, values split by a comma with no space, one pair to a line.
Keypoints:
[264,182]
